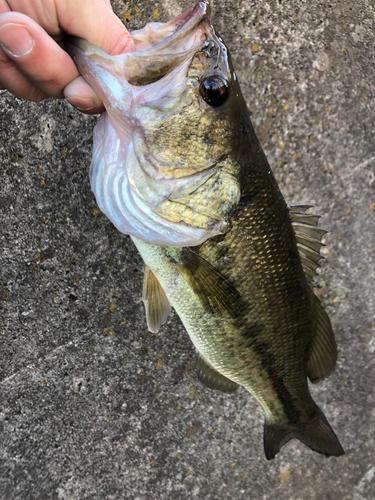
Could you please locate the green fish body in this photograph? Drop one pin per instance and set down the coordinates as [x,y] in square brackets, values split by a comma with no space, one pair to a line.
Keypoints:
[221,246]
[250,311]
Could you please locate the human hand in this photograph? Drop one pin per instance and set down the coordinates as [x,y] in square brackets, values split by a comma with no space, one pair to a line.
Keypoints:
[33,64]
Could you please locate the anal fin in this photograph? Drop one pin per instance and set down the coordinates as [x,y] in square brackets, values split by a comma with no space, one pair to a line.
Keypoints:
[323,351]
[156,303]
[215,292]
[212,378]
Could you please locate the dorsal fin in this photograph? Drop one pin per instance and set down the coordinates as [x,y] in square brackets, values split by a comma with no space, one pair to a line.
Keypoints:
[215,292]
[212,379]
[156,303]
[298,209]
[308,236]
[323,351]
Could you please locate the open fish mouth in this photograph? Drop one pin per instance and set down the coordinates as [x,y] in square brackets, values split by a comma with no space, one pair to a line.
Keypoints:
[160,47]
[173,32]
[156,143]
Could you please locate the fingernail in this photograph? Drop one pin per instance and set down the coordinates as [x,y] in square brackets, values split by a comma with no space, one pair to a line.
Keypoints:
[80,103]
[16,40]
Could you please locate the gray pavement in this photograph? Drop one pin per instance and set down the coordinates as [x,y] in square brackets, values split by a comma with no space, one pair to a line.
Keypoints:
[92,405]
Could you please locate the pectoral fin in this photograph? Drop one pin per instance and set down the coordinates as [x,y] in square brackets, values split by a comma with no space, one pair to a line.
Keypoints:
[215,292]
[212,378]
[156,302]
[323,353]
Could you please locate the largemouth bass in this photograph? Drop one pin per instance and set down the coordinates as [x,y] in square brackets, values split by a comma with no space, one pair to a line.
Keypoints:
[177,165]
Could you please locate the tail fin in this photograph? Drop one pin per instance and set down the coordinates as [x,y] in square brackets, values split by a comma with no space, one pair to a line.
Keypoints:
[317,435]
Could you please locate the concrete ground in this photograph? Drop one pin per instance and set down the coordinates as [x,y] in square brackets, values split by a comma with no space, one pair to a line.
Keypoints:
[95,406]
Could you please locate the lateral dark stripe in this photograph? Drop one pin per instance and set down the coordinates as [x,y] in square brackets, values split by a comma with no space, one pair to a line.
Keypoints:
[291,412]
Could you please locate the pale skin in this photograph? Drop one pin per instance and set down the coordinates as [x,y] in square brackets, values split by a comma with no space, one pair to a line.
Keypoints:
[33,64]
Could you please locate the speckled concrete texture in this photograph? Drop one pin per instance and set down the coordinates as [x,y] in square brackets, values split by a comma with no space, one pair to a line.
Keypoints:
[95,406]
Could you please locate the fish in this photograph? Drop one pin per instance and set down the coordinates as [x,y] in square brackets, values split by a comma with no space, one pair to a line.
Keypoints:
[177,166]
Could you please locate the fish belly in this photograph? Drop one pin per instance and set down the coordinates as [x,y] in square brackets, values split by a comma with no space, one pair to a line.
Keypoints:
[216,338]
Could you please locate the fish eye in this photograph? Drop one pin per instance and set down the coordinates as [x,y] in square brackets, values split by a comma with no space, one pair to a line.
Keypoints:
[214,90]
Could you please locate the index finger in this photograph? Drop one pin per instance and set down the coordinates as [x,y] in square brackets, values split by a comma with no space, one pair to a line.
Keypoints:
[95,22]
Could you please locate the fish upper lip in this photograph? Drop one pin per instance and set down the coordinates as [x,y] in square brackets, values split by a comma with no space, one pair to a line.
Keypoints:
[185,23]
[191,18]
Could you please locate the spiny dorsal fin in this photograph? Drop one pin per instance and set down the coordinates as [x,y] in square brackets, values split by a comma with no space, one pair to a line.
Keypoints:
[215,292]
[308,236]
[156,302]
[323,351]
[298,209]
[212,378]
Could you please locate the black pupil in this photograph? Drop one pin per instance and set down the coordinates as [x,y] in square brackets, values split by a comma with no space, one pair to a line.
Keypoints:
[214,90]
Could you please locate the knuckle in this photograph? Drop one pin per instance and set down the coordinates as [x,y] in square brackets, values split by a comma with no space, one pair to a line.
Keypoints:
[51,84]
[37,97]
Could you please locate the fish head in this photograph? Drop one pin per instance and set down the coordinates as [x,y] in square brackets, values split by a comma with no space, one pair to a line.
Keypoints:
[165,165]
